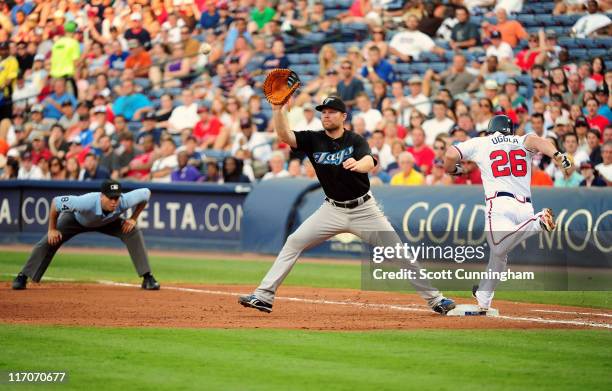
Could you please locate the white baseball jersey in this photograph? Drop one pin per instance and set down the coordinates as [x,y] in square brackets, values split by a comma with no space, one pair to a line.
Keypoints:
[504,162]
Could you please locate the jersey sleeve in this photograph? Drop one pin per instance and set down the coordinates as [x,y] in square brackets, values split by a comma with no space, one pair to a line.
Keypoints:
[362,148]
[523,139]
[70,203]
[135,197]
[304,140]
[467,149]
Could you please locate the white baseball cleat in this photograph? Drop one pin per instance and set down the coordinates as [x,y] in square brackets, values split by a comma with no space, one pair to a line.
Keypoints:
[547,220]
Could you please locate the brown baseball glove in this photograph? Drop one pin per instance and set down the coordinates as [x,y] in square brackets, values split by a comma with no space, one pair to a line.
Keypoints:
[279,85]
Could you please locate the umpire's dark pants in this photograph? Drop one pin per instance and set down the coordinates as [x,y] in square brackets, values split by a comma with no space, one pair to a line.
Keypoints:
[43,252]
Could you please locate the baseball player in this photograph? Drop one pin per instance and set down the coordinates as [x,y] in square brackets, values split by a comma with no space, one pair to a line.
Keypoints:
[341,160]
[99,212]
[505,164]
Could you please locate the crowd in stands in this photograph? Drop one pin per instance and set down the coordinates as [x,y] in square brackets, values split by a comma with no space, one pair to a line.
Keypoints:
[92,89]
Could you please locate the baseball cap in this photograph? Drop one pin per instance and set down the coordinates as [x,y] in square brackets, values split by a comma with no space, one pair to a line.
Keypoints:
[586,164]
[149,116]
[511,80]
[307,106]
[561,121]
[111,188]
[36,109]
[415,79]
[495,34]
[70,27]
[37,135]
[601,89]
[550,33]
[26,155]
[39,57]
[332,102]
[491,85]
[539,80]
[581,121]
[58,14]
[136,16]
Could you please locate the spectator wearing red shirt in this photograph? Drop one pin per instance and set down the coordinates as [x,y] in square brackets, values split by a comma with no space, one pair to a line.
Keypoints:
[208,127]
[595,120]
[390,116]
[140,166]
[423,155]
[39,149]
[526,58]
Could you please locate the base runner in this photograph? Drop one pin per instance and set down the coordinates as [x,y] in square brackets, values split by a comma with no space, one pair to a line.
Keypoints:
[342,160]
[505,164]
[92,212]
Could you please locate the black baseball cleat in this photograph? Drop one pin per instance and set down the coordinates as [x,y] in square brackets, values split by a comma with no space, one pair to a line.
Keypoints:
[149,283]
[251,301]
[474,290]
[19,283]
[444,306]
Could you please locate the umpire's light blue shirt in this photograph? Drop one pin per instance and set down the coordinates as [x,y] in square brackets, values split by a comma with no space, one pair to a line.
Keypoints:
[87,208]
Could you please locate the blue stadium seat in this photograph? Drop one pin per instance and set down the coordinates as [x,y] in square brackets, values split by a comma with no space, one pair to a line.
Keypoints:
[438,66]
[568,42]
[309,58]
[403,68]
[294,58]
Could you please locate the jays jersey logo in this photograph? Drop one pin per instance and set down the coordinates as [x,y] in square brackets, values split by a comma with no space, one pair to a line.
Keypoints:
[335,158]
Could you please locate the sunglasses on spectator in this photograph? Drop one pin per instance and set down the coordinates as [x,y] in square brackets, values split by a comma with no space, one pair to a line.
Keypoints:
[438,148]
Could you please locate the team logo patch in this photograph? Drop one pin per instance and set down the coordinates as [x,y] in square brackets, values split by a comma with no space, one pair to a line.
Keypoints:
[335,158]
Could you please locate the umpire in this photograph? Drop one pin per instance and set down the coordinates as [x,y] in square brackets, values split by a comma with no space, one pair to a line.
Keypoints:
[92,212]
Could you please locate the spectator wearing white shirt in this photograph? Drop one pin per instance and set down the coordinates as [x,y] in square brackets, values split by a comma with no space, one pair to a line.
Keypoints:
[511,6]
[440,123]
[28,170]
[592,22]
[255,145]
[184,116]
[162,168]
[371,116]
[277,167]
[382,149]
[500,49]
[310,121]
[605,167]
[409,44]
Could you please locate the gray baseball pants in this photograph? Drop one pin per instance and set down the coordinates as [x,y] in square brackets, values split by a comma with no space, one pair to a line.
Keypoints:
[366,221]
[43,252]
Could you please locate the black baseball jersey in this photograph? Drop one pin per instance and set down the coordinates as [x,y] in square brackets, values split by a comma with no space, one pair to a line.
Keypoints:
[327,155]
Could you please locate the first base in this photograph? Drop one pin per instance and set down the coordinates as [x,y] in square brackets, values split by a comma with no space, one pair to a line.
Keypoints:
[471,310]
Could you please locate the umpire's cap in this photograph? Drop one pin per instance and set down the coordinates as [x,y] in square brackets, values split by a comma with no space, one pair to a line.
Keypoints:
[500,123]
[111,189]
[332,102]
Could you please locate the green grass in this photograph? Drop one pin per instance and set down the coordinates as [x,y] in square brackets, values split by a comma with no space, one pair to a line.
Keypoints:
[209,271]
[212,359]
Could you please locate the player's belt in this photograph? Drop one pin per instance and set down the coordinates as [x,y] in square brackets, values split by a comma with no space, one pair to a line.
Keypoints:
[506,194]
[351,204]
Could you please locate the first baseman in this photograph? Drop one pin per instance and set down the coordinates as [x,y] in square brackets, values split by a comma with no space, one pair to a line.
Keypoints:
[92,212]
[505,164]
[342,160]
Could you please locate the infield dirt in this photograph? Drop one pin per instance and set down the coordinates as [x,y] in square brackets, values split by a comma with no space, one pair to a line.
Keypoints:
[179,305]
